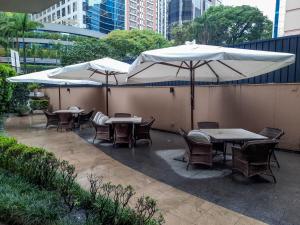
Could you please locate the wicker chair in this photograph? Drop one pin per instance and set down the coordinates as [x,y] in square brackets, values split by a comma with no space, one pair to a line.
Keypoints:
[274,134]
[85,118]
[52,119]
[122,115]
[65,121]
[197,152]
[142,131]
[253,158]
[123,134]
[212,125]
[103,132]
[208,125]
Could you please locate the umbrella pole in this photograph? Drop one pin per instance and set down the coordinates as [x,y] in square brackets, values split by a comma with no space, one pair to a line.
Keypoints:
[107,94]
[59,98]
[192,87]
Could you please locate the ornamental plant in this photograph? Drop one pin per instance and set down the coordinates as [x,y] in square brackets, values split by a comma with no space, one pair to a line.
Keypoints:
[6,88]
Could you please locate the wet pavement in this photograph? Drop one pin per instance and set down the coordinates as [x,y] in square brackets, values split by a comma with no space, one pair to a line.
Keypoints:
[184,197]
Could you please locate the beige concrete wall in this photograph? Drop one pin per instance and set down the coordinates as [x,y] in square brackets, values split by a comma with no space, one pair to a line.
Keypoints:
[292,18]
[252,107]
[87,98]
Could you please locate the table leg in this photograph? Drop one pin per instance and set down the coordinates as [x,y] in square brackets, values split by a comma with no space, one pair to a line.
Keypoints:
[224,152]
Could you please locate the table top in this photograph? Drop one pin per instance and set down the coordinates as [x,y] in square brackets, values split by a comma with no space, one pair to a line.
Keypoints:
[135,120]
[234,134]
[73,111]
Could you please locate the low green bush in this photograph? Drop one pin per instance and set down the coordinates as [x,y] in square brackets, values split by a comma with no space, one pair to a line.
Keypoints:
[36,104]
[104,203]
[24,203]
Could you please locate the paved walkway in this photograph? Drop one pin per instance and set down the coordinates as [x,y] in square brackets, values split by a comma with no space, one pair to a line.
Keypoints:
[178,207]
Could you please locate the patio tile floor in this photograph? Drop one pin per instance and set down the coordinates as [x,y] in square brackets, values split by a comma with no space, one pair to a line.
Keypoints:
[222,200]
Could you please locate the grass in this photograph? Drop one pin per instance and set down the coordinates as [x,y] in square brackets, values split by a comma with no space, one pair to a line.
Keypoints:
[23,203]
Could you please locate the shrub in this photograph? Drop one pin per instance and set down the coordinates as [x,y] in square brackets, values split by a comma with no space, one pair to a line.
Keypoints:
[6,88]
[105,203]
[24,203]
[36,104]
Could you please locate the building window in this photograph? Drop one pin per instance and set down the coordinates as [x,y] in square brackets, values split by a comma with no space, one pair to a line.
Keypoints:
[74,7]
[44,12]
[63,2]
[53,7]
[44,20]
[49,19]
[149,23]
[58,14]
[69,9]
[63,12]
[48,10]
[58,4]
[84,19]
[53,16]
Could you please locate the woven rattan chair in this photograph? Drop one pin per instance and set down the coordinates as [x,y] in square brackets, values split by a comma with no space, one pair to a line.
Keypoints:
[65,121]
[52,119]
[212,125]
[142,131]
[253,158]
[122,115]
[274,134]
[123,134]
[85,118]
[197,152]
[102,132]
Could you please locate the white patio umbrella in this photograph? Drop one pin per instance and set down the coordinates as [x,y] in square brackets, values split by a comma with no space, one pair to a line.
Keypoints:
[193,62]
[42,78]
[105,70]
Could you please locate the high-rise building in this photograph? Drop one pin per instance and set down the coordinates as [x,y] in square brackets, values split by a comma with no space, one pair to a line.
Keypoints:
[162,17]
[99,15]
[181,11]
[104,15]
[291,18]
[67,12]
[141,14]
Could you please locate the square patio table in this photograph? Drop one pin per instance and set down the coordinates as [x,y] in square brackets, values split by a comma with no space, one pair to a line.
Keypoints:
[230,135]
[73,111]
[134,120]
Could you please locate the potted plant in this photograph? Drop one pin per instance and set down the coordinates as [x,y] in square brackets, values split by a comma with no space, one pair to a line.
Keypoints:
[34,89]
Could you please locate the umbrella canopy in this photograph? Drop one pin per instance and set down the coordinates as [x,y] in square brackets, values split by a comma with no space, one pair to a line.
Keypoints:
[42,78]
[204,63]
[105,70]
[209,63]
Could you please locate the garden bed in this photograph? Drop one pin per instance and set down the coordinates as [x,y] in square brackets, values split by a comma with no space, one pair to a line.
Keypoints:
[37,188]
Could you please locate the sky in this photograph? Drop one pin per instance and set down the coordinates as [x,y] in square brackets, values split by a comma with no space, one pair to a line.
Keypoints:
[266,6]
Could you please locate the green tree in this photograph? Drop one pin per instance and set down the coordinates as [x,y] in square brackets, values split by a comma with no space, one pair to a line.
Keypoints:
[224,25]
[23,24]
[129,44]
[119,44]
[6,88]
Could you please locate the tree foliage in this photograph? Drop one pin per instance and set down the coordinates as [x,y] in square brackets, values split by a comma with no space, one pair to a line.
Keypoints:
[6,88]
[223,25]
[119,44]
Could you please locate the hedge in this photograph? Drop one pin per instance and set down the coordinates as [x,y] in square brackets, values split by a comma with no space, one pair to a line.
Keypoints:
[39,104]
[104,203]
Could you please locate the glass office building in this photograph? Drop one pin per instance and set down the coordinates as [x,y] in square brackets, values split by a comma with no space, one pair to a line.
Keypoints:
[181,11]
[104,15]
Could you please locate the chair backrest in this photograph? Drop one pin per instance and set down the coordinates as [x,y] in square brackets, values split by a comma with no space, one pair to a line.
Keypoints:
[208,125]
[74,107]
[89,114]
[272,133]
[122,115]
[65,117]
[123,130]
[50,114]
[258,151]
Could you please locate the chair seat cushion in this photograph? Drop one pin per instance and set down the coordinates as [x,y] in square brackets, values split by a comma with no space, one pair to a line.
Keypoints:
[198,136]
[102,119]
